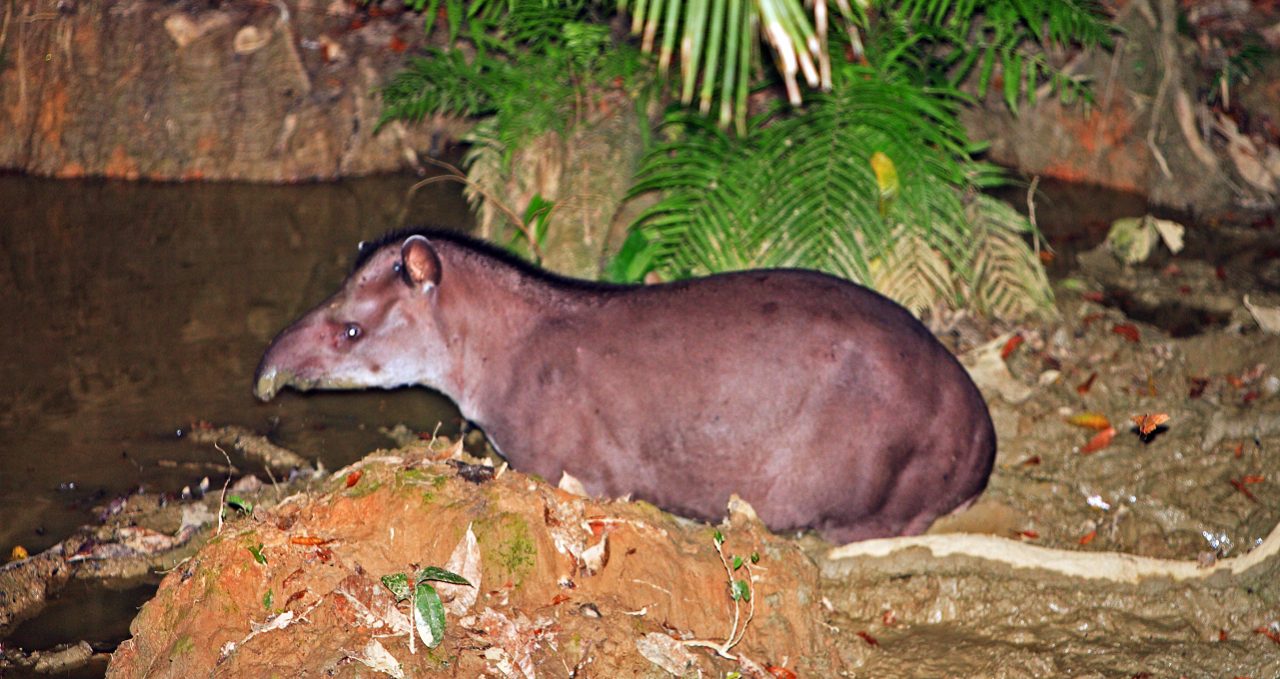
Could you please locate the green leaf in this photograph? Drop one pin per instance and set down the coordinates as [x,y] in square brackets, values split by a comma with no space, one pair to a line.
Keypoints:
[240,504]
[267,599]
[740,590]
[718,537]
[256,551]
[737,562]
[441,575]
[428,614]
[634,259]
[755,557]
[398,583]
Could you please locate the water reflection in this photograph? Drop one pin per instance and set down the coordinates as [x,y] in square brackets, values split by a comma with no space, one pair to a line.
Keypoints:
[133,310]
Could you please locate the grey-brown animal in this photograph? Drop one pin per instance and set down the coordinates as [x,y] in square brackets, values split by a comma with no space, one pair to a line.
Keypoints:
[821,403]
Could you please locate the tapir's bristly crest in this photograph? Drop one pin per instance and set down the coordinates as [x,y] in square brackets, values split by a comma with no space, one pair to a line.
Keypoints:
[821,403]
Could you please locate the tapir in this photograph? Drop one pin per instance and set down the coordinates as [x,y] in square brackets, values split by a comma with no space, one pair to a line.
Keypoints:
[821,403]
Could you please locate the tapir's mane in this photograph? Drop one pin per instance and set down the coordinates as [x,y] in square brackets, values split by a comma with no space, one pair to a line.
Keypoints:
[482,248]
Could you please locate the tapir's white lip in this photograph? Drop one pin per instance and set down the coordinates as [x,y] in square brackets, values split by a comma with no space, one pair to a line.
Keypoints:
[272,380]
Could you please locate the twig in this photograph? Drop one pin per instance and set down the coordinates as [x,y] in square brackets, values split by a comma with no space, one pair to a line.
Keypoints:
[1165,53]
[222,499]
[736,633]
[459,176]
[1031,214]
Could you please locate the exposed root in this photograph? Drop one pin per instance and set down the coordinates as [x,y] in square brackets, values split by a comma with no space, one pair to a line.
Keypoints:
[1222,427]
[1112,566]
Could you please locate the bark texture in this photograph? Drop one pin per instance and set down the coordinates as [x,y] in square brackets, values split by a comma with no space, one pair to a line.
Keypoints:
[280,91]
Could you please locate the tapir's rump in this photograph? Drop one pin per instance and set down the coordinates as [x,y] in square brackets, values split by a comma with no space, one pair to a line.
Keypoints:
[821,403]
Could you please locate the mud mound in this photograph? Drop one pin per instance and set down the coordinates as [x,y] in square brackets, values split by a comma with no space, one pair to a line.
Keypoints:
[562,583]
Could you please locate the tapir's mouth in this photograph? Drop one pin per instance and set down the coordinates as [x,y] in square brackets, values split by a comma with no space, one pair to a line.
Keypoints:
[271,381]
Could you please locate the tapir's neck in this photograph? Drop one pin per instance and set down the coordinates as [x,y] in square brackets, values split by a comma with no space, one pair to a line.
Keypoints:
[487,309]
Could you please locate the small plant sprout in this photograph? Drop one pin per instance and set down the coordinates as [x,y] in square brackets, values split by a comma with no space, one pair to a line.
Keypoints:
[428,609]
[740,590]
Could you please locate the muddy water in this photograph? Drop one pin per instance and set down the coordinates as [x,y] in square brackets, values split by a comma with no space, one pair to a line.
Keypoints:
[133,310]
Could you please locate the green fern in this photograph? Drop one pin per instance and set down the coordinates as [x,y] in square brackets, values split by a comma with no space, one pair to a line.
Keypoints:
[534,64]
[974,37]
[801,192]
[1007,280]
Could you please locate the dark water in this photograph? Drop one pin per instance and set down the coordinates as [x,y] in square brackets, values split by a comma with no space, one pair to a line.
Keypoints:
[132,310]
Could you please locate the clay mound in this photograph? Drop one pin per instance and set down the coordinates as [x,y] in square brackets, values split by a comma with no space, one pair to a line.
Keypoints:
[566,585]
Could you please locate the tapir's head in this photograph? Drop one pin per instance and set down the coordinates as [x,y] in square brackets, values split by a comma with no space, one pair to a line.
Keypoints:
[380,330]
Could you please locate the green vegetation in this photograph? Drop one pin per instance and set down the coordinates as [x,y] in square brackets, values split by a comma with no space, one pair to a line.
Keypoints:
[428,609]
[741,590]
[867,175]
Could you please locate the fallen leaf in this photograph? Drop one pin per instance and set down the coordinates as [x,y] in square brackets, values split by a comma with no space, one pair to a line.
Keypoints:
[1088,537]
[354,477]
[1198,385]
[295,596]
[1170,232]
[1009,347]
[1029,534]
[1147,423]
[1099,441]
[570,484]
[1090,319]
[377,658]
[667,653]
[780,672]
[308,540]
[989,371]
[1030,461]
[1096,421]
[1253,478]
[1244,490]
[464,561]
[1268,633]
[871,641]
[1084,387]
[1128,331]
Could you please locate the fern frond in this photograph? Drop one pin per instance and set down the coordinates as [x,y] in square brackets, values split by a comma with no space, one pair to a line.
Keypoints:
[801,191]
[1007,279]
[914,274]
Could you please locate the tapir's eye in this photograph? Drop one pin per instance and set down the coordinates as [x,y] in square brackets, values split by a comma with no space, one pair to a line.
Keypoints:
[353,331]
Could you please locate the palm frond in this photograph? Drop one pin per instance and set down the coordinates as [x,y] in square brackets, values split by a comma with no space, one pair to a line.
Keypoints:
[801,191]
[914,273]
[1007,280]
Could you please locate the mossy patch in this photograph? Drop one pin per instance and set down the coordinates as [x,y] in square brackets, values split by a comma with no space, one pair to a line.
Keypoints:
[362,489]
[182,646]
[414,479]
[507,545]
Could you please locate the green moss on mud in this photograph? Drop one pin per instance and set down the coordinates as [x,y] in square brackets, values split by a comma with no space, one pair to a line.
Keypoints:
[507,543]
[182,646]
[414,479]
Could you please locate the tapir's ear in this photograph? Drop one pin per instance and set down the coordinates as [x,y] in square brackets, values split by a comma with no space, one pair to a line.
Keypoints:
[419,262]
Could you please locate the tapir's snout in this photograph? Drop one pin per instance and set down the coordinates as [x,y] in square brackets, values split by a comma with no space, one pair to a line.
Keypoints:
[280,365]
[270,380]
